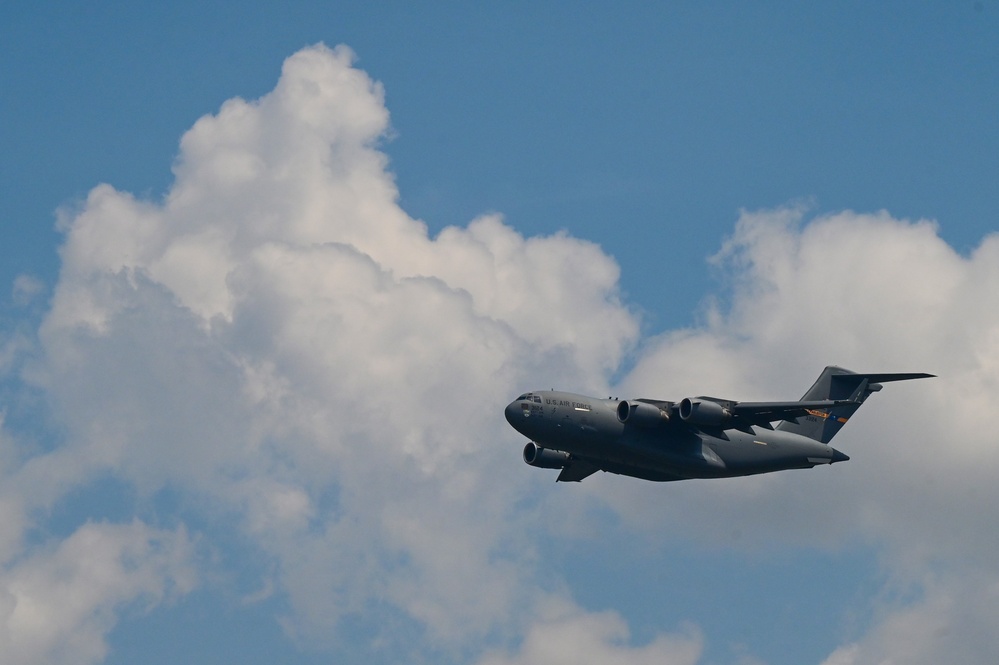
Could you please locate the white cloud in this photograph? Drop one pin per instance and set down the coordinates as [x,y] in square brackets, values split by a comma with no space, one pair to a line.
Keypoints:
[58,605]
[953,621]
[871,293]
[564,634]
[278,341]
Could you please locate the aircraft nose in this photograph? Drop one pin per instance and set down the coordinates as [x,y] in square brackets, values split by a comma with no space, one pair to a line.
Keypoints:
[512,410]
[837,456]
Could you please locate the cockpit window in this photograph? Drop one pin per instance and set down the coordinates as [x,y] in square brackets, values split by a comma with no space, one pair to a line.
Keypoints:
[537,399]
[525,396]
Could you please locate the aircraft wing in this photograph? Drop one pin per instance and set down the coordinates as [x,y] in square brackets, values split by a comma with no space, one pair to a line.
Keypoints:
[850,387]
[764,413]
[845,390]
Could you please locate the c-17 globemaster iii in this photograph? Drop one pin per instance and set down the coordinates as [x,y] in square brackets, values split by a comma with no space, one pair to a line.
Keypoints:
[697,437]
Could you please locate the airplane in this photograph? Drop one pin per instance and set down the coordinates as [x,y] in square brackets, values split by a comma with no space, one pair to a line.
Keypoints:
[697,437]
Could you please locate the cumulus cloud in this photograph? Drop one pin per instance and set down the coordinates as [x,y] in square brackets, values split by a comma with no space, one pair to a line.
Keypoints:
[565,635]
[871,293]
[58,605]
[277,341]
[953,621]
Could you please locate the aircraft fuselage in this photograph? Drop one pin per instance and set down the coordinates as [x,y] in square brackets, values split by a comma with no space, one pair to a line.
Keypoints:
[577,429]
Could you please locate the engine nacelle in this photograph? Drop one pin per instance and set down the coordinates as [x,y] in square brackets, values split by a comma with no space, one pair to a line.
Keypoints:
[641,414]
[543,458]
[704,413]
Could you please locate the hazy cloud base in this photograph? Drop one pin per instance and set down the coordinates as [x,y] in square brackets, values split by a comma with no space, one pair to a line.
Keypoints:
[292,358]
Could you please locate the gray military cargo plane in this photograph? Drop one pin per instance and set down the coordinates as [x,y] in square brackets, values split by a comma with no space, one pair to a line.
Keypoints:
[697,437]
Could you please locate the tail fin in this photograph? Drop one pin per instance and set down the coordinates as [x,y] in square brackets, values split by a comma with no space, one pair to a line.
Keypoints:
[836,383]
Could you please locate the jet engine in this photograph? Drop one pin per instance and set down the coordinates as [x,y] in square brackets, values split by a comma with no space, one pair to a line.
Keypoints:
[704,413]
[641,414]
[544,458]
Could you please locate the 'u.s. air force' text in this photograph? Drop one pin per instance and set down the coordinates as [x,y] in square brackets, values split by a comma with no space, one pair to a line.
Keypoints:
[580,406]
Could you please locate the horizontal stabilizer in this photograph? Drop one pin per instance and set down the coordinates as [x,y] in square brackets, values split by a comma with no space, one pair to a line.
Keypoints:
[887,378]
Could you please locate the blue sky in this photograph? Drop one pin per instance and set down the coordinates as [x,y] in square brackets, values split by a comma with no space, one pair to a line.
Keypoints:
[647,200]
